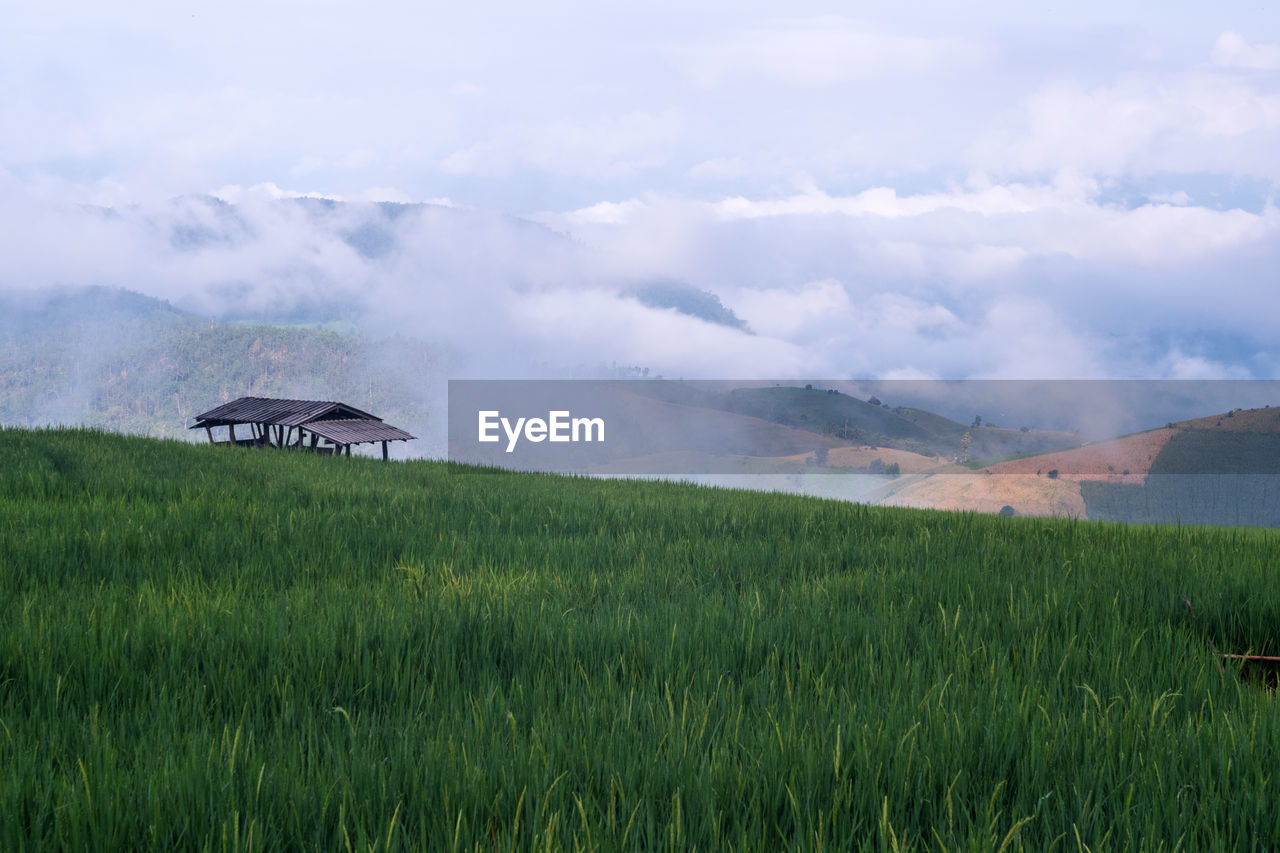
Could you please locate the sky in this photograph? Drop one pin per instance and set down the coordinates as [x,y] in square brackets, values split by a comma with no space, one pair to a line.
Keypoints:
[934,190]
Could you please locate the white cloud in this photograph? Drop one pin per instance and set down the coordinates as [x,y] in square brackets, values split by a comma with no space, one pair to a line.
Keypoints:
[1179,365]
[235,194]
[1189,123]
[1178,198]
[721,168]
[1032,280]
[884,202]
[379,194]
[1022,338]
[980,230]
[822,51]
[785,313]
[598,148]
[561,324]
[909,373]
[605,213]
[1233,51]
[886,261]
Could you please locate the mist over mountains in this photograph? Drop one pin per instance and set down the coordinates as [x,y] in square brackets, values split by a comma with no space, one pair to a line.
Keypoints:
[383,302]
[814,285]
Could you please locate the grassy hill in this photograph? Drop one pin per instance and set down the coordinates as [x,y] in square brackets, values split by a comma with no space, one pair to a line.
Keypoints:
[207,647]
[851,420]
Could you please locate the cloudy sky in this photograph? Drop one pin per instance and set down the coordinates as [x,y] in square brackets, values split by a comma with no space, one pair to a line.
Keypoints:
[889,190]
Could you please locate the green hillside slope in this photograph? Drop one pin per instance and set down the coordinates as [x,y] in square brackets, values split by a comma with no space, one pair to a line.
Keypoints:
[851,420]
[125,362]
[215,647]
[1201,476]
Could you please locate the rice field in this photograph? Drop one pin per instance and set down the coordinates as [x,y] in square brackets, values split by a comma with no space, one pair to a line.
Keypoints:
[212,648]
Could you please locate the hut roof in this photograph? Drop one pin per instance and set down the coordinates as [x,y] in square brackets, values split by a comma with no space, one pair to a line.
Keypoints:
[356,431]
[339,423]
[277,412]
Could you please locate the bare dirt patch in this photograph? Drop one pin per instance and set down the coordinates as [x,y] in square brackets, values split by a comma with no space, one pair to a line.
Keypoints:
[1106,460]
[989,493]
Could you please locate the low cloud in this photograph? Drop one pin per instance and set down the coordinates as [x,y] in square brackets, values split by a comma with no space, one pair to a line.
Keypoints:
[999,280]
[1194,122]
[1179,365]
[982,279]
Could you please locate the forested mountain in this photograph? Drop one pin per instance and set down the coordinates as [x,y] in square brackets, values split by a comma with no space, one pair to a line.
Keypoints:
[125,362]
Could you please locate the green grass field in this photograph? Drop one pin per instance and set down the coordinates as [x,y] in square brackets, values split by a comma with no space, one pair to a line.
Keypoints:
[230,649]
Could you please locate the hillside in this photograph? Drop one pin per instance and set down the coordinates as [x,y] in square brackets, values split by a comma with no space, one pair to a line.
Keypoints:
[854,421]
[121,361]
[1121,460]
[1220,469]
[1025,495]
[1217,469]
[1264,420]
[207,646]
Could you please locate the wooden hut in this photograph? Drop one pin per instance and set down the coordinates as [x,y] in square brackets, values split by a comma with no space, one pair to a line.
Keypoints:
[321,426]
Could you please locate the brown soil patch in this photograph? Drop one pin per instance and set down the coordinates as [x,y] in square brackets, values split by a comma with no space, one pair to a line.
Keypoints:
[989,493]
[1107,460]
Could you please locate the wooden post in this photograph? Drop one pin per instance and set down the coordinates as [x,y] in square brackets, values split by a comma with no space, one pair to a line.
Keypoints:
[209,432]
[348,450]
[231,430]
[384,451]
[314,438]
